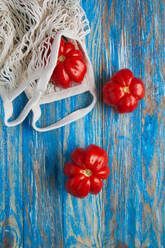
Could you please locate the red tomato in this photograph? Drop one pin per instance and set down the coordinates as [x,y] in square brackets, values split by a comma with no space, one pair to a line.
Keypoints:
[87,171]
[70,66]
[123,91]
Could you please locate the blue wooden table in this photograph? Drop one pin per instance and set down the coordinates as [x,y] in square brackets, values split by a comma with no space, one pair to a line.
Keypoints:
[35,210]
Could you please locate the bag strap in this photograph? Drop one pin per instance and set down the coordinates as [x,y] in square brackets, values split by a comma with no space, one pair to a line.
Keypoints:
[33,103]
[28,107]
[8,105]
[43,77]
[74,116]
[90,86]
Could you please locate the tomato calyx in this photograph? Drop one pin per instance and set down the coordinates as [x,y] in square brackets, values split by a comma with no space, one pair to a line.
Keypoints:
[87,173]
[126,89]
[62,58]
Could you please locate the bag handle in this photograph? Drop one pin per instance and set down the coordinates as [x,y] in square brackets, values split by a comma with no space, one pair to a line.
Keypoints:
[89,86]
[8,106]
[28,107]
[8,99]
[43,76]
[74,116]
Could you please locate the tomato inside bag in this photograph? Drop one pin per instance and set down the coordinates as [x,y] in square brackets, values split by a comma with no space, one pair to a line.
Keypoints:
[71,66]
[27,65]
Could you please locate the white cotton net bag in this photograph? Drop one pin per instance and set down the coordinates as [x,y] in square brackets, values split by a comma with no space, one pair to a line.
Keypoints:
[29,60]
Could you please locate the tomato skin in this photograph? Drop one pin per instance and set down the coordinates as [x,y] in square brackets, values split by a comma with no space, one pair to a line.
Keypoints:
[62,48]
[96,158]
[123,77]
[71,170]
[61,77]
[127,104]
[87,171]
[70,66]
[77,156]
[78,186]
[137,88]
[76,69]
[103,173]
[96,185]
[123,91]
[68,47]
[112,93]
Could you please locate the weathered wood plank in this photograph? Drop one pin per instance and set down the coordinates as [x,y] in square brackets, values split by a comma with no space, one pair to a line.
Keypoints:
[11,219]
[83,218]
[153,129]
[132,218]
[122,132]
[42,176]
[35,210]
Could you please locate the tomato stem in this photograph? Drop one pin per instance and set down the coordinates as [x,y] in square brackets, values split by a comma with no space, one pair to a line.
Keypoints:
[126,89]
[87,172]
[62,58]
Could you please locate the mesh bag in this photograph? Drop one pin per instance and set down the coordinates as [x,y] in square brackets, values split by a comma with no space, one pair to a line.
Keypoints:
[28,56]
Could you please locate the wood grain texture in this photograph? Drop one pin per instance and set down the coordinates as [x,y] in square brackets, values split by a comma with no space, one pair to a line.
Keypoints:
[11,194]
[134,208]
[35,210]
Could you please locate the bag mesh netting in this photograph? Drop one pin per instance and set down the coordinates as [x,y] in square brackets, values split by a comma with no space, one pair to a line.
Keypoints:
[26,31]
